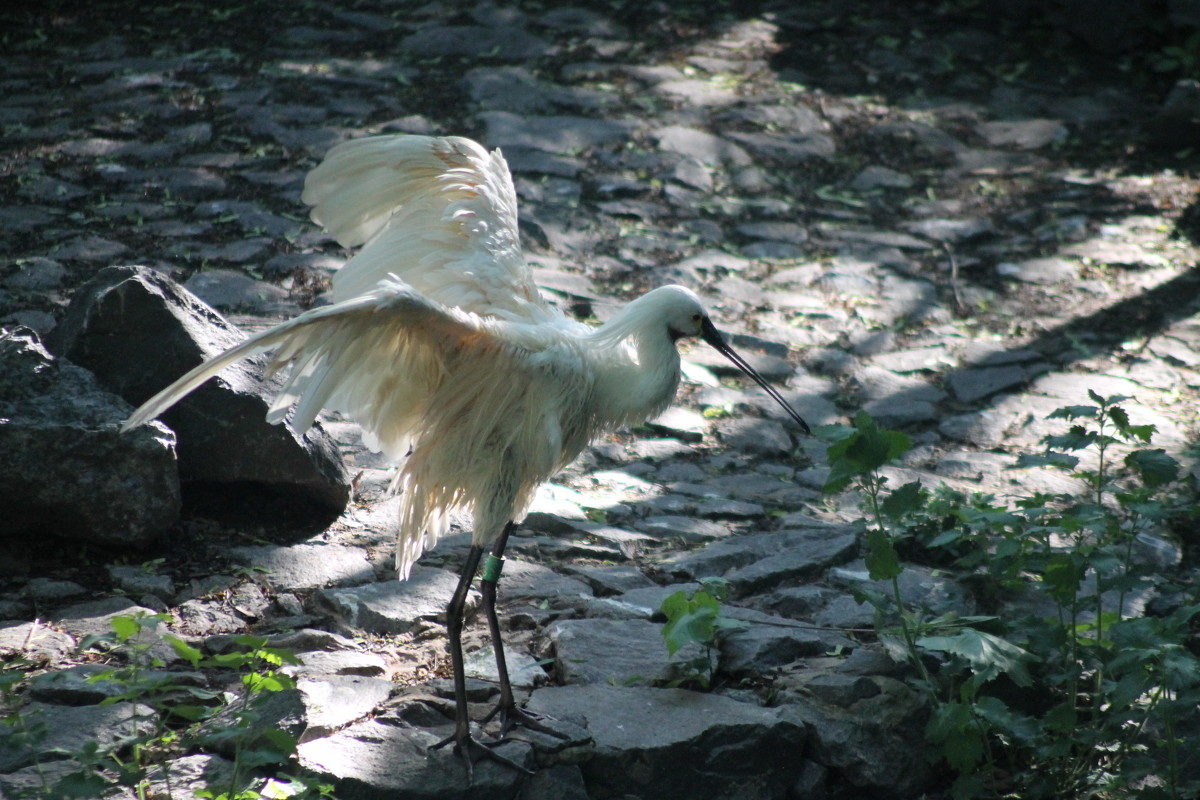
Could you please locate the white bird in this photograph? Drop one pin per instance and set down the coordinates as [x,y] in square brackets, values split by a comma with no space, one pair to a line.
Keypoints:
[439,345]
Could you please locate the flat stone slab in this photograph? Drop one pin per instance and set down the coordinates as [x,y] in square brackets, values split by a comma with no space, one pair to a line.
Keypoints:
[68,728]
[375,760]
[871,741]
[970,385]
[764,644]
[34,641]
[614,652]
[687,529]
[920,586]
[759,562]
[392,607]
[1039,270]
[525,580]
[647,742]
[523,669]
[308,566]
[333,702]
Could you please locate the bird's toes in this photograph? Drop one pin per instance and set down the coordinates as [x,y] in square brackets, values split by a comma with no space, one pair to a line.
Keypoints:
[514,716]
[472,751]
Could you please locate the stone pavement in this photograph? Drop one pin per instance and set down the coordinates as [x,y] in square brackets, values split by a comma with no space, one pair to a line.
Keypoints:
[955,252]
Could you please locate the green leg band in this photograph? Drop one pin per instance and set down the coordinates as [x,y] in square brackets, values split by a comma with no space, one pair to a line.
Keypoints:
[491,568]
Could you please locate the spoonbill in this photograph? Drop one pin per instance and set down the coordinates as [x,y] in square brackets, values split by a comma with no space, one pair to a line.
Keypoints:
[439,345]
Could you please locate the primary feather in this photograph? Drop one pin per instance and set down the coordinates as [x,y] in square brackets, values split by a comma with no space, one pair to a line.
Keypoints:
[439,213]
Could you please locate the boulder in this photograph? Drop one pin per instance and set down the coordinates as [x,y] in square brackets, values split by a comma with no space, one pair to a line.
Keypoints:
[68,729]
[868,742]
[138,331]
[672,744]
[389,758]
[616,652]
[66,470]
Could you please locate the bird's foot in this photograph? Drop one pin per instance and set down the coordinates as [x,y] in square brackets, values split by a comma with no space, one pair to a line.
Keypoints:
[471,750]
[512,715]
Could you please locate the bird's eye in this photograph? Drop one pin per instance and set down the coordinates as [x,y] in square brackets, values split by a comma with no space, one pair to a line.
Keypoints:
[697,317]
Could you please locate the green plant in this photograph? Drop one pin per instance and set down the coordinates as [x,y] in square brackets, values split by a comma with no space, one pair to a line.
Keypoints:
[172,717]
[1068,693]
[239,728]
[695,617]
[1183,57]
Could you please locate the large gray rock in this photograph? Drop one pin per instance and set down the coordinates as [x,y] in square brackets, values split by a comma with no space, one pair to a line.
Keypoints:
[872,742]
[138,331]
[763,561]
[66,471]
[671,744]
[766,643]
[68,729]
[394,607]
[389,759]
[34,641]
[309,565]
[615,652]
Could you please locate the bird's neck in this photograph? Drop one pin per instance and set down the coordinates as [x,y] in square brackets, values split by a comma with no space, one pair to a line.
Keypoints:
[640,379]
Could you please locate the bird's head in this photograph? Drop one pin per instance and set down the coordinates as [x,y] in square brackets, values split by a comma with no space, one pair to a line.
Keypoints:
[680,309]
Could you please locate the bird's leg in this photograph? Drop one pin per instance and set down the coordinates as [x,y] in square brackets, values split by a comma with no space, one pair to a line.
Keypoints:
[488,585]
[510,714]
[454,626]
[464,744]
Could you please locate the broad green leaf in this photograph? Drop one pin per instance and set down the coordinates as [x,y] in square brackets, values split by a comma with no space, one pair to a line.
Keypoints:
[703,599]
[192,713]
[1077,438]
[1024,729]
[1111,400]
[81,784]
[184,650]
[882,561]
[716,586]
[230,660]
[1127,690]
[125,627]
[1181,669]
[946,537]
[1073,412]
[988,655]
[1143,433]
[1061,718]
[1154,467]
[692,626]
[954,728]
[675,605]
[870,448]
[904,500]
[1063,574]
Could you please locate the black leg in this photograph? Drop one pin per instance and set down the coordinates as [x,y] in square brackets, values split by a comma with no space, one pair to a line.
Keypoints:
[464,744]
[487,587]
[507,709]
[454,625]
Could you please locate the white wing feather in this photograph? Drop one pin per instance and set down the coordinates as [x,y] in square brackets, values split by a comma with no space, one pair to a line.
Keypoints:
[439,213]
[438,343]
[454,388]
[370,357]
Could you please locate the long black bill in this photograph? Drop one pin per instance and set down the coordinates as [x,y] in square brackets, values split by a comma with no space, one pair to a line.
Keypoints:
[710,334]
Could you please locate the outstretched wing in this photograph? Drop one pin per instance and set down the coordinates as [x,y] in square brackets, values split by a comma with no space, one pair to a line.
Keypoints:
[439,213]
[378,357]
